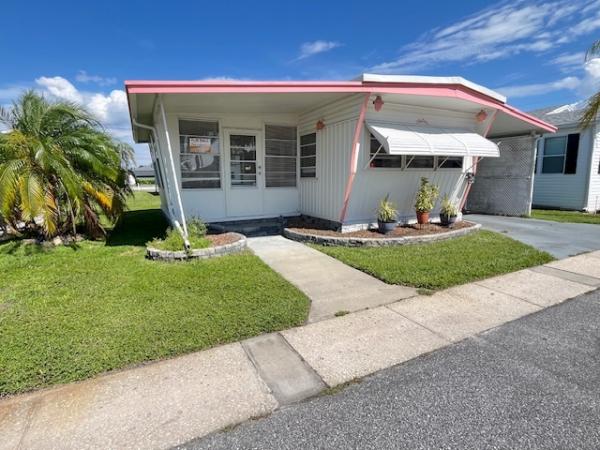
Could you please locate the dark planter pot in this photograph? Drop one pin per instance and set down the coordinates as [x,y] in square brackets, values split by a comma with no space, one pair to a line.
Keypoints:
[386,227]
[447,220]
[422,217]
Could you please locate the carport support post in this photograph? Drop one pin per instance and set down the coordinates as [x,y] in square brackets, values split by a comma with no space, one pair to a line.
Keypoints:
[354,156]
[463,202]
[174,172]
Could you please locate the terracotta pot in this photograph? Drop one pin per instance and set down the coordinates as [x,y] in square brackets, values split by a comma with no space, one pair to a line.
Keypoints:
[422,217]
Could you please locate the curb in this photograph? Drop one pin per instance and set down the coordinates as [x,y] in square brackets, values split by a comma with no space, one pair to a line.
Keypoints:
[377,242]
[201,253]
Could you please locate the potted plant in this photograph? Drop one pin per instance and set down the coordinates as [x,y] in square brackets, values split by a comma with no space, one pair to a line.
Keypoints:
[386,215]
[448,212]
[426,196]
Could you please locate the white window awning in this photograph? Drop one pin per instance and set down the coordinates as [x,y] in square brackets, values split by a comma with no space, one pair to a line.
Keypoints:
[403,139]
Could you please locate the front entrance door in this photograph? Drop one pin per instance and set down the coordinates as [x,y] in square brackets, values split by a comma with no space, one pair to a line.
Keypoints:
[245,174]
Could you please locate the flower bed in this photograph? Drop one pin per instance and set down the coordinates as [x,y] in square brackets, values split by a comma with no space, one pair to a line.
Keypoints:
[402,235]
[220,244]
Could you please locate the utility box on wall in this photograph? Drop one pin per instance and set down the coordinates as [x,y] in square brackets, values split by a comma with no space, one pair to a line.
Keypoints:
[504,185]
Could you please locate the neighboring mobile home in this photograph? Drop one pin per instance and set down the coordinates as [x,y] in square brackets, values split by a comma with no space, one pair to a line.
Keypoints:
[567,169]
[229,151]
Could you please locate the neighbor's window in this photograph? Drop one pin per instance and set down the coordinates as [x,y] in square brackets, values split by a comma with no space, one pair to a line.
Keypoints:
[382,159]
[308,155]
[199,154]
[450,162]
[280,156]
[560,154]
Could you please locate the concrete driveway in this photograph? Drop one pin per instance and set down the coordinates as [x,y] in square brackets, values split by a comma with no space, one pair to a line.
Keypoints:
[559,239]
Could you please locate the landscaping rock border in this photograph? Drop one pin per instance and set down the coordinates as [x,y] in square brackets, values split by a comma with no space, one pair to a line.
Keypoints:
[201,253]
[377,242]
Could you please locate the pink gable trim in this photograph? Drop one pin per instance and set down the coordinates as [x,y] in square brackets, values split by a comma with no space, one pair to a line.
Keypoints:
[279,87]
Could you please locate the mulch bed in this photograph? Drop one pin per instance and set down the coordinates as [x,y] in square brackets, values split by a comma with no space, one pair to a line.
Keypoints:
[217,240]
[401,231]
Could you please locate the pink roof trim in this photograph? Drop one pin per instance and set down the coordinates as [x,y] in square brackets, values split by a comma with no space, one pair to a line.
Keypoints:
[277,87]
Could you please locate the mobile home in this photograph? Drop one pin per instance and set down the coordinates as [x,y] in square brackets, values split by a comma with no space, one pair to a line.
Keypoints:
[238,150]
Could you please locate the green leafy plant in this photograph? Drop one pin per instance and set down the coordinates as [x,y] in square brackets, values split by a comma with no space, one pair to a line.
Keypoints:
[426,196]
[387,211]
[173,241]
[59,169]
[448,208]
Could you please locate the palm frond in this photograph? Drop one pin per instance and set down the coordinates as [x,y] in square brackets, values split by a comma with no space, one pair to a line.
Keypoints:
[593,51]
[591,111]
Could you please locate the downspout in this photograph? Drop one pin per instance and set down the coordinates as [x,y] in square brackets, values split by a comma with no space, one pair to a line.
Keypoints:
[587,199]
[471,177]
[176,223]
[174,172]
[536,142]
[354,156]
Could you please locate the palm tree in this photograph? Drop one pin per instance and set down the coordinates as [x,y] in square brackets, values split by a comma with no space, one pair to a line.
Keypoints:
[593,106]
[59,168]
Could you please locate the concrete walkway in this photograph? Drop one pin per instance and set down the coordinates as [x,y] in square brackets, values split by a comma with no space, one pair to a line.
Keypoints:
[559,239]
[331,285]
[167,403]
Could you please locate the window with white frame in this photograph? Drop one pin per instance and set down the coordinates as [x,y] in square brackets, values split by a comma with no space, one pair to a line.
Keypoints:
[308,155]
[560,154]
[419,162]
[450,162]
[199,154]
[379,158]
[281,153]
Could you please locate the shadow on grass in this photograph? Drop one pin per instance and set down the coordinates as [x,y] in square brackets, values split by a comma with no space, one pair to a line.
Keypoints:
[138,227]
[24,248]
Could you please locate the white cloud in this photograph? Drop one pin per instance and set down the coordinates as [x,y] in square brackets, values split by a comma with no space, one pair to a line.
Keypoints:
[83,77]
[61,88]
[584,86]
[110,109]
[528,90]
[569,61]
[312,48]
[498,32]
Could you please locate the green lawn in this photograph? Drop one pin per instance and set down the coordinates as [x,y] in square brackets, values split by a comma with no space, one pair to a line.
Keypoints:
[70,313]
[439,265]
[565,216]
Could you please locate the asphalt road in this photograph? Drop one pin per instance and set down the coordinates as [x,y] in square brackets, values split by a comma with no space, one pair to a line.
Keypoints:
[559,239]
[532,383]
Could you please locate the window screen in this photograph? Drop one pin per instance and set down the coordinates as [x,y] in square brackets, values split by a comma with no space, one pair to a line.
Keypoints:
[280,156]
[308,155]
[199,154]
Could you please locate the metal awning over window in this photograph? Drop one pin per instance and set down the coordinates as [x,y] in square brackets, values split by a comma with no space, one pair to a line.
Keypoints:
[403,139]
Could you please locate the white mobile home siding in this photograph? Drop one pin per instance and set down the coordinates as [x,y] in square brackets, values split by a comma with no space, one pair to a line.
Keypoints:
[566,191]
[323,197]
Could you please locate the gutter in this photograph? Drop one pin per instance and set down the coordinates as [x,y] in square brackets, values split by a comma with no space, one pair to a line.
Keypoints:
[181,228]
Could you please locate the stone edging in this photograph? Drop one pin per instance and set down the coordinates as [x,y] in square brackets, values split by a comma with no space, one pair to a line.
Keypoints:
[201,253]
[376,242]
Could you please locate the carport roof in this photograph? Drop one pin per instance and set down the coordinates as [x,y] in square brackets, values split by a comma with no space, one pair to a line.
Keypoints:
[455,88]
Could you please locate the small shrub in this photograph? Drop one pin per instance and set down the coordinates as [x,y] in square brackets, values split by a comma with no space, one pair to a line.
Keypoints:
[448,208]
[173,240]
[387,211]
[426,196]
[196,227]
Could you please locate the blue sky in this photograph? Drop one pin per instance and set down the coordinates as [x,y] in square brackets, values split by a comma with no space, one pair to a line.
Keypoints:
[531,51]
